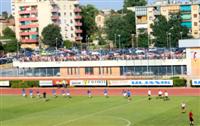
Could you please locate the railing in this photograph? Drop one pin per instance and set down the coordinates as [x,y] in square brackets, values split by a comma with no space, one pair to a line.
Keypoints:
[29,26]
[28,12]
[28,19]
[28,33]
[29,40]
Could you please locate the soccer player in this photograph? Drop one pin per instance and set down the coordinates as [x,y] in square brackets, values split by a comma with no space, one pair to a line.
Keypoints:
[160,93]
[23,92]
[124,93]
[38,93]
[63,93]
[44,96]
[68,94]
[191,118]
[166,95]
[89,93]
[129,95]
[105,93]
[183,107]
[149,94]
[31,93]
[54,93]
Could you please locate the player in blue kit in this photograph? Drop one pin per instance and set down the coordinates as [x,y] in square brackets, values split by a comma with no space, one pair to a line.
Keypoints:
[129,95]
[31,93]
[105,92]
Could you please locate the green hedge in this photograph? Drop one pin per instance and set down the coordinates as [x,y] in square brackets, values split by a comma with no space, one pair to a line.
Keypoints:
[179,82]
[24,84]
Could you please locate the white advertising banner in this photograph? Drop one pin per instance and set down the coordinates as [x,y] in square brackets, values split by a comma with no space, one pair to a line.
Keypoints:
[152,82]
[119,83]
[87,82]
[76,83]
[95,82]
[4,83]
[46,83]
[196,82]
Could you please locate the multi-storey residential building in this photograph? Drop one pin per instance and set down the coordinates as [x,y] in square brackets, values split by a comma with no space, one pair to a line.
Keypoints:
[31,16]
[12,7]
[145,16]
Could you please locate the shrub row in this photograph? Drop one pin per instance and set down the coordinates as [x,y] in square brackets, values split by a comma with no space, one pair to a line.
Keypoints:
[179,82]
[23,84]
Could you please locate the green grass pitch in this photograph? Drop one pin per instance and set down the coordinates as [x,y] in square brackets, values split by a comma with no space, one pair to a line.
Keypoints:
[97,111]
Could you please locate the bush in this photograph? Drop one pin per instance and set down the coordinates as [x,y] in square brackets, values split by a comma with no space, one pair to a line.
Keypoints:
[179,82]
[24,84]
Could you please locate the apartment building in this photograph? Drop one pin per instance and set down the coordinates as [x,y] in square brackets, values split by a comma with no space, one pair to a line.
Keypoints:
[31,16]
[145,16]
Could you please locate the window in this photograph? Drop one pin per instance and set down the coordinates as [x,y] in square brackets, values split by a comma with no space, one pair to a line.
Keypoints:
[110,71]
[195,23]
[106,70]
[89,71]
[70,13]
[99,70]
[195,15]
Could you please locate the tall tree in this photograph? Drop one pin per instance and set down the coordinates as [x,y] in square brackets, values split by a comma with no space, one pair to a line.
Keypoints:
[8,33]
[160,28]
[51,35]
[132,3]
[119,29]
[89,26]
[10,46]
[167,33]
[5,14]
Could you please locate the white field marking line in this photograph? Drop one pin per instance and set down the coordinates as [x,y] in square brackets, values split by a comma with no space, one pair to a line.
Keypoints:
[92,114]
[123,119]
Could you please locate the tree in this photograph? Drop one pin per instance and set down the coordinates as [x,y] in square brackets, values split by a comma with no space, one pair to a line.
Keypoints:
[120,28]
[132,3]
[160,28]
[51,35]
[5,14]
[177,31]
[89,26]
[143,40]
[167,33]
[8,33]
[10,46]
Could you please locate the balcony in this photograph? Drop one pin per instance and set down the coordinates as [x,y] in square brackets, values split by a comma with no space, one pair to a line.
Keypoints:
[78,17]
[28,19]
[28,33]
[78,31]
[78,38]
[78,24]
[77,10]
[29,40]
[29,26]
[28,12]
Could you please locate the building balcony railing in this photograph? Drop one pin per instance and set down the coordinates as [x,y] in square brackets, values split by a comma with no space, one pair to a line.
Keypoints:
[78,31]
[28,19]
[28,33]
[29,40]
[78,38]
[77,9]
[78,17]
[28,12]
[28,26]
[78,24]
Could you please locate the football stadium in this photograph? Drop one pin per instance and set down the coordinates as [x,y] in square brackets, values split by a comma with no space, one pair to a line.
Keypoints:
[114,88]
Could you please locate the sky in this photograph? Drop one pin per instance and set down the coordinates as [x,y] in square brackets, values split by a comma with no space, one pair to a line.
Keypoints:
[100,4]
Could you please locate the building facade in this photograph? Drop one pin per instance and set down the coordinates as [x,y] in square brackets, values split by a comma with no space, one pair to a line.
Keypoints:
[31,16]
[145,16]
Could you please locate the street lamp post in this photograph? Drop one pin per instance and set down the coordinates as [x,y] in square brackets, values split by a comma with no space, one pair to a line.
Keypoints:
[132,40]
[119,41]
[115,40]
[56,45]
[170,48]
[17,49]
